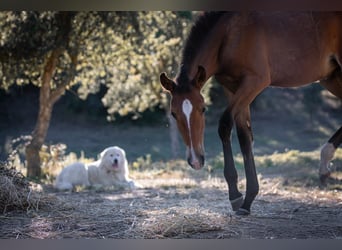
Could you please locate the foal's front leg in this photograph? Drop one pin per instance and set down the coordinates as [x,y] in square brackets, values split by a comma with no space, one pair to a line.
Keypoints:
[244,132]
[230,173]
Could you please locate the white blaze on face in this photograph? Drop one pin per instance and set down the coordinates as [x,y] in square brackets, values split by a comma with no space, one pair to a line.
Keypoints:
[187,110]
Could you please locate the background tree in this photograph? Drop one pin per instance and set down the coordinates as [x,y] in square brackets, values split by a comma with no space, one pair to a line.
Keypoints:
[149,44]
[126,51]
[35,48]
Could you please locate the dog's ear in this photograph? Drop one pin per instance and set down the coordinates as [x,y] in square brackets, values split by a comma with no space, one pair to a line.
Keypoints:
[102,154]
[123,153]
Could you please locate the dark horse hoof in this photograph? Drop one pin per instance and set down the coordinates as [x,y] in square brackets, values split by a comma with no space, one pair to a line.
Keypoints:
[242,212]
[236,203]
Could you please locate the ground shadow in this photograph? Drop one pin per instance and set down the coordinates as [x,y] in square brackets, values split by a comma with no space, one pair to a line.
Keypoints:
[200,211]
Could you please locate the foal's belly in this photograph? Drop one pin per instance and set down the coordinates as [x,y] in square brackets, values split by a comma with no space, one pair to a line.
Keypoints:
[294,73]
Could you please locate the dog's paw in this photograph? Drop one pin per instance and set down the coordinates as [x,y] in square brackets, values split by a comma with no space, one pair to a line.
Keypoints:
[134,185]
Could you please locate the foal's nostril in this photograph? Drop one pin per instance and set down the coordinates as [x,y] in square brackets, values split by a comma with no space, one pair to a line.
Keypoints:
[116,161]
[189,161]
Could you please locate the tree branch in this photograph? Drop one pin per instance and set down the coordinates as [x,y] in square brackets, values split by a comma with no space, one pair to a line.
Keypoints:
[57,93]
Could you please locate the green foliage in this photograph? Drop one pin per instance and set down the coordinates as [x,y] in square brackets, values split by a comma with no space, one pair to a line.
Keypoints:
[21,34]
[134,83]
[26,42]
[125,51]
[142,162]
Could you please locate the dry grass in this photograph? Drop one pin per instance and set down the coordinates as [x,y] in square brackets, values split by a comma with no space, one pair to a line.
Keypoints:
[295,167]
[17,193]
[183,222]
[15,189]
[201,211]
[178,202]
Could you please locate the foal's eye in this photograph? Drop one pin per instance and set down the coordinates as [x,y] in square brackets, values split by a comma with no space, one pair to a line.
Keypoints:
[204,109]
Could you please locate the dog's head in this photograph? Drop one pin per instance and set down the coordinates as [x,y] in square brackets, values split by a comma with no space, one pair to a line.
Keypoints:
[113,158]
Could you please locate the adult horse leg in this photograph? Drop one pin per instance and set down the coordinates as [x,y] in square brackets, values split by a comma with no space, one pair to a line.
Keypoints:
[230,173]
[244,132]
[334,85]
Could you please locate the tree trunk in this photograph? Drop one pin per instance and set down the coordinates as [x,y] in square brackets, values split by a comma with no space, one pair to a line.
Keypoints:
[38,137]
[49,96]
[47,99]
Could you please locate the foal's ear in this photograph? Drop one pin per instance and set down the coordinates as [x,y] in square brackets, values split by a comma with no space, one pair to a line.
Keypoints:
[167,83]
[200,77]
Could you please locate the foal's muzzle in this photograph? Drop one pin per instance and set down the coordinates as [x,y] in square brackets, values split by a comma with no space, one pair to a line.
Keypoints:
[196,163]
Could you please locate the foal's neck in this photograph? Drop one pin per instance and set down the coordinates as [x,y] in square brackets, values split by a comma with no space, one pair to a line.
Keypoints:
[207,56]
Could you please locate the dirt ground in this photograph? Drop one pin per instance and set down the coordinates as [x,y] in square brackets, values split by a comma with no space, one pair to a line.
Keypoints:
[183,204]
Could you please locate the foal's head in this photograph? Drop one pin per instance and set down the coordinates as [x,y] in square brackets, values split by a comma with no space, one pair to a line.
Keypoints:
[187,107]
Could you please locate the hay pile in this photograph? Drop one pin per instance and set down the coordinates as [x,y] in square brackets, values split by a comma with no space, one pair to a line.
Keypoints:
[181,222]
[16,192]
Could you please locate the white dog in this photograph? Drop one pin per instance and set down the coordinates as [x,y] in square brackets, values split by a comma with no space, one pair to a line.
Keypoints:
[110,170]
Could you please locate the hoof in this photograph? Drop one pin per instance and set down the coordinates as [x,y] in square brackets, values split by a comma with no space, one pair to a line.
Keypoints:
[242,212]
[236,203]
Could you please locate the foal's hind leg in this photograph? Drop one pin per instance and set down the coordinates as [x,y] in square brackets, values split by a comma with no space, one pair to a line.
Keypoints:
[334,85]
[327,153]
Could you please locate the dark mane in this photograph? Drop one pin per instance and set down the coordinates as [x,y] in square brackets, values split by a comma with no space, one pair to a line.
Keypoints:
[182,78]
[199,31]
